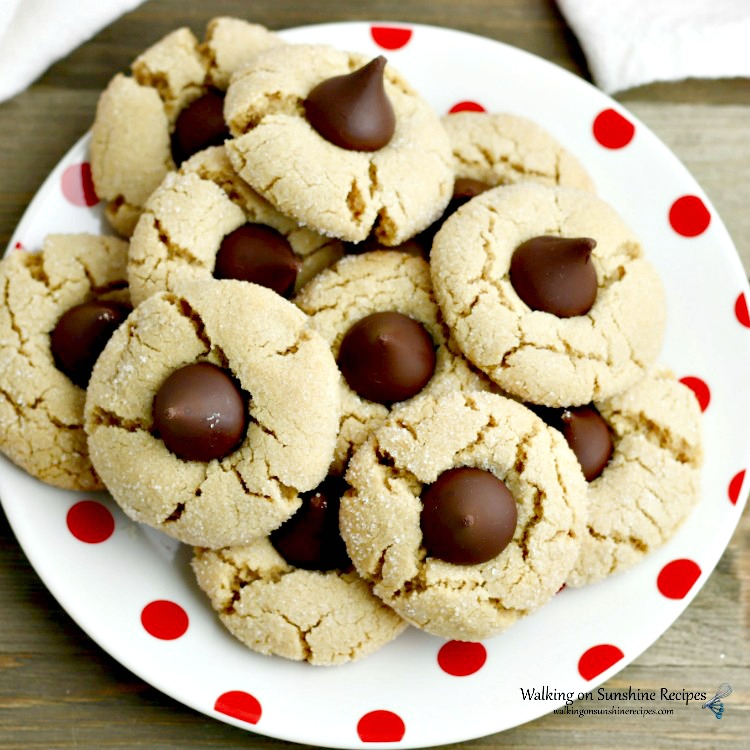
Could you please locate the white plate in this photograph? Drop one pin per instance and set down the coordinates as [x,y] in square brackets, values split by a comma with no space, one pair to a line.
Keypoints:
[405,695]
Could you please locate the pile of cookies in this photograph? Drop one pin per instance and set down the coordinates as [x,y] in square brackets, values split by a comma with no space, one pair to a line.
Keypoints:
[377,367]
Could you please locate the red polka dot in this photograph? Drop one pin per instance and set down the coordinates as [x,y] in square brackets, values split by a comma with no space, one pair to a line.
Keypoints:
[466,106]
[677,578]
[689,216]
[741,311]
[461,658]
[700,389]
[598,659]
[381,726]
[90,522]
[390,37]
[164,620]
[18,246]
[239,705]
[612,130]
[735,487]
[77,185]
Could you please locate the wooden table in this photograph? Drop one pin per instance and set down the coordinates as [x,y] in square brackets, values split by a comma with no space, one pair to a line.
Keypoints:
[59,690]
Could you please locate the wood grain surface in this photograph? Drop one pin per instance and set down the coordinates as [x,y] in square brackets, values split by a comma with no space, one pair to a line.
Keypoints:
[59,690]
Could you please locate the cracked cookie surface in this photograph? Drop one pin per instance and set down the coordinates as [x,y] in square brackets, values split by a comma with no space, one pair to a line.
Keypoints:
[130,144]
[502,149]
[41,410]
[286,368]
[381,281]
[398,190]
[380,514]
[651,482]
[187,217]
[323,618]
[532,354]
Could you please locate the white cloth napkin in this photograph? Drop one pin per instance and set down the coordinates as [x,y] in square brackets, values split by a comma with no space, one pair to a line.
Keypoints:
[36,33]
[632,42]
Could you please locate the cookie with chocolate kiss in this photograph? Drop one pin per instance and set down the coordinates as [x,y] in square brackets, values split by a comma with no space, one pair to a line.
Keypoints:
[61,306]
[549,293]
[322,617]
[500,148]
[206,222]
[212,410]
[170,107]
[466,512]
[650,483]
[378,314]
[340,142]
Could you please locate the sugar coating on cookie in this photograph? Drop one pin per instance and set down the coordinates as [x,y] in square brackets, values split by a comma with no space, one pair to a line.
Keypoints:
[291,379]
[130,144]
[323,618]
[502,149]
[380,281]
[41,410]
[187,217]
[396,191]
[380,515]
[652,480]
[532,354]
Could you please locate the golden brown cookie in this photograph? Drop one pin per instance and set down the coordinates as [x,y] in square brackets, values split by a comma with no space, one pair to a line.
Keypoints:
[186,220]
[382,516]
[652,480]
[540,356]
[136,117]
[282,407]
[502,149]
[383,281]
[323,618]
[396,190]
[41,408]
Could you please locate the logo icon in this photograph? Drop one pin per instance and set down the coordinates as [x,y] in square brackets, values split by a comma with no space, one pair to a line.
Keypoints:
[715,703]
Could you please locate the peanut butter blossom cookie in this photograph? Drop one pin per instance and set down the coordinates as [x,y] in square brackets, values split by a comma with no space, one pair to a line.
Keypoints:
[207,221]
[211,409]
[549,293]
[644,485]
[491,149]
[169,109]
[339,142]
[378,314]
[295,594]
[60,307]
[465,512]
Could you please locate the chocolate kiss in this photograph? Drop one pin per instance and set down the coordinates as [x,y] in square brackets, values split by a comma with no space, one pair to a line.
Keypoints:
[387,357]
[468,516]
[353,111]
[589,437]
[310,539]
[200,413]
[200,125]
[586,432]
[555,274]
[81,334]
